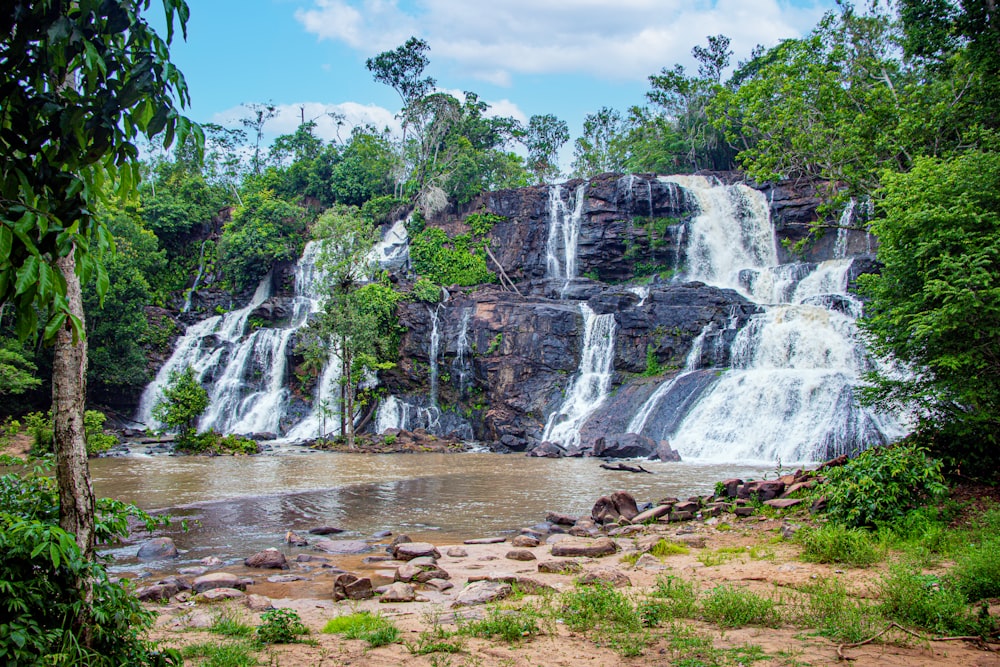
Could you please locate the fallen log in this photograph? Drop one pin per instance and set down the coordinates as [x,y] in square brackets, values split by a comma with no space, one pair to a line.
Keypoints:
[621,467]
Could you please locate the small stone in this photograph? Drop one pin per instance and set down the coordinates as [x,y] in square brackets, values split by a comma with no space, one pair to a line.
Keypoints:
[295,540]
[525,541]
[267,559]
[788,530]
[649,562]
[382,534]
[398,592]
[604,576]
[219,594]
[256,602]
[783,503]
[217,580]
[347,586]
[676,516]
[285,578]
[456,552]
[486,540]
[211,561]
[651,514]
[560,567]
[692,541]
[440,585]
[325,530]
[157,548]
[342,546]
[193,571]
[520,554]
[411,550]
[558,537]
[156,592]
[560,519]
[581,546]
[743,511]
[481,592]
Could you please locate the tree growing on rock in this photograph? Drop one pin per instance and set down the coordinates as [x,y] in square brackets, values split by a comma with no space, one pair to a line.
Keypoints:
[184,401]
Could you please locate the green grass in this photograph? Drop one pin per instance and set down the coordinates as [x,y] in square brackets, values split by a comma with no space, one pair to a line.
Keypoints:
[678,597]
[436,640]
[372,628]
[927,602]
[735,607]
[510,625]
[608,617]
[663,548]
[212,654]
[230,624]
[833,543]
[836,614]
[977,570]
[687,647]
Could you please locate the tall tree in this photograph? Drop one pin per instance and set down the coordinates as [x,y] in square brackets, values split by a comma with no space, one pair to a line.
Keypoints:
[543,137]
[82,80]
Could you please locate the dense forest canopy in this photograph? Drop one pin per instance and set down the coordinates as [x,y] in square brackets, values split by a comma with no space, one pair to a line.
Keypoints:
[877,103]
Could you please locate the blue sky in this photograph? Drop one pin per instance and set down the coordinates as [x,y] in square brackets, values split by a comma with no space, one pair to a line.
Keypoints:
[524,57]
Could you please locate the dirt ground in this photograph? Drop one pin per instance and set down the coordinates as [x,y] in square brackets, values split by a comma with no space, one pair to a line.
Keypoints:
[752,556]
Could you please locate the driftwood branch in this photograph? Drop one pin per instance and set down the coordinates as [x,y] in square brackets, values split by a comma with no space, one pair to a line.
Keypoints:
[503,274]
[621,467]
[964,638]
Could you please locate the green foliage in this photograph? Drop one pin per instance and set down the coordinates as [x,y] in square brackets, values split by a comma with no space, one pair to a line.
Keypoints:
[17,371]
[676,597]
[599,607]
[936,304]
[280,626]
[449,261]
[653,367]
[426,290]
[734,607]
[265,230]
[836,613]
[543,137]
[39,425]
[51,179]
[435,640]
[495,344]
[976,574]
[97,440]
[835,543]
[881,484]
[230,624]
[927,602]
[510,625]
[211,442]
[482,222]
[375,629]
[364,169]
[40,566]
[183,401]
[383,210]
[214,654]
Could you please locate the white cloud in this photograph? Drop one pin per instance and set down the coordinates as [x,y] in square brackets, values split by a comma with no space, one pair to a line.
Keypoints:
[289,116]
[613,39]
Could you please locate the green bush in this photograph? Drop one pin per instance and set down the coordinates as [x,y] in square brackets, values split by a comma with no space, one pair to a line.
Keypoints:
[280,626]
[97,440]
[183,401]
[977,570]
[39,425]
[40,569]
[679,596]
[454,261]
[733,607]
[426,290]
[597,607]
[881,485]
[926,601]
[510,625]
[481,223]
[829,608]
[834,543]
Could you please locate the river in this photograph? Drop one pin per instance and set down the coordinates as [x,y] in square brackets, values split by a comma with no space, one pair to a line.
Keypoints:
[238,505]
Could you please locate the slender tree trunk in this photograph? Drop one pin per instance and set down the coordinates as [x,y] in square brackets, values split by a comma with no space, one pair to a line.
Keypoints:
[69,390]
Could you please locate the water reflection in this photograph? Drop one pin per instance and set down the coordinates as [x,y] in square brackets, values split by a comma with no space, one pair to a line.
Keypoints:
[243,504]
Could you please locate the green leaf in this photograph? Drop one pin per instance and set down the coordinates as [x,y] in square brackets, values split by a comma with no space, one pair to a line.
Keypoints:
[27,275]
[6,242]
[54,325]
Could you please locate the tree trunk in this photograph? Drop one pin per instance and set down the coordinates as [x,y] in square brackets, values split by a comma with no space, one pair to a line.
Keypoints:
[69,390]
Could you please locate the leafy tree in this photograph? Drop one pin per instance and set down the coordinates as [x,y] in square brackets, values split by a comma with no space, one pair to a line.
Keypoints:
[543,137]
[183,402]
[364,169]
[259,115]
[599,149]
[936,304]
[17,371]
[264,231]
[82,79]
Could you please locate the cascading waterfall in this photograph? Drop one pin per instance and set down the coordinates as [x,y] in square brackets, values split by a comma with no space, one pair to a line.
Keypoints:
[197,279]
[433,353]
[564,233]
[245,372]
[590,386]
[789,394]
[462,365]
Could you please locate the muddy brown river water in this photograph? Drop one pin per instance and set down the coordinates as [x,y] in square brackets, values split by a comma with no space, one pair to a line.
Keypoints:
[239,505]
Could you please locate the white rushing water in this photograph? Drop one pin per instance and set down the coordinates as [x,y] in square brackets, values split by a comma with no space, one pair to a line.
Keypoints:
[589,388]
[433,352]
[462,364]
[245,369]
[789,394]
[564,233]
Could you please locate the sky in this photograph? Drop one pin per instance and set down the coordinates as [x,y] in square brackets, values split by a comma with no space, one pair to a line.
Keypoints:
[523,57]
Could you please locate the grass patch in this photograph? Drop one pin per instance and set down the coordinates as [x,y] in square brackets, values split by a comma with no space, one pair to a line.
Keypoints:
[735,607]
[231,624]
[212,654]
[436,640]
[837,615]
[665,548]
[678,596]
[928,602]
[372,628]
[609,618]
[280,626]
[689,648]
[510,625]
[977,570]
[833,543]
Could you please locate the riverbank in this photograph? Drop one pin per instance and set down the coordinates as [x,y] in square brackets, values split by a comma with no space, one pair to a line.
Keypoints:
[715,590]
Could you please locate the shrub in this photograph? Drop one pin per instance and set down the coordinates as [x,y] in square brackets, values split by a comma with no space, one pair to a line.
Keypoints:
[678,595]
[97,440]
[734,608]
[449,261]
[882,484]
[837,615]
[977,570]
[39,425]
[280,626]
[426,290]
[834,543]
[481,223]
[510,625]
[184,399]
[925,601]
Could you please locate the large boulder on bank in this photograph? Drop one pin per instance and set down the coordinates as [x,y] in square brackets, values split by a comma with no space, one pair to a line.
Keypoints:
[624,446]
[347,586]
[411,550]
[584,546]
[212,580]
[482,592]
[157,548]
[608,509]
[267,559]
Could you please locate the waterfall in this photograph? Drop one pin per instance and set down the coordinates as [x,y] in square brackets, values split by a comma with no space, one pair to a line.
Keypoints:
[641,291]
[433,352]
[789,394]
[843,230]
[197,279]
[564,233]
[593,380]
[462,365]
